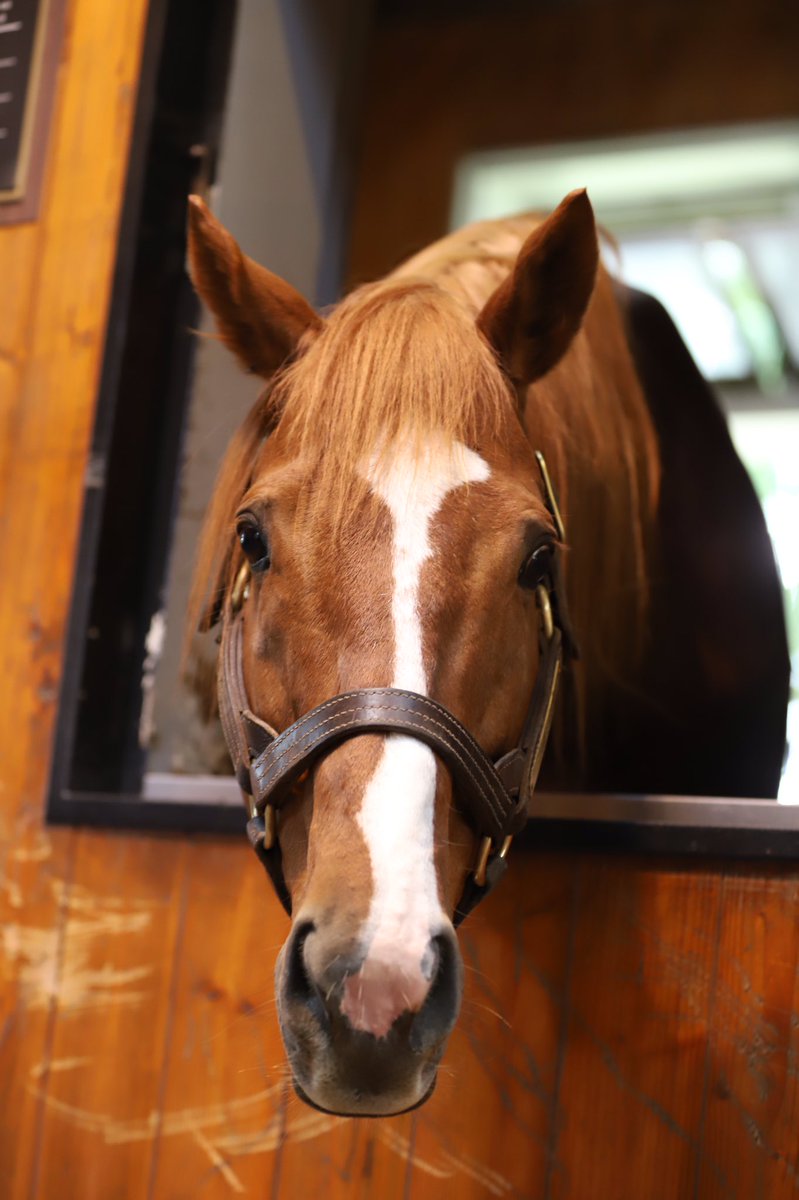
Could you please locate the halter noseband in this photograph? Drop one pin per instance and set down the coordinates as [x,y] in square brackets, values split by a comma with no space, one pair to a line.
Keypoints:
[494,796]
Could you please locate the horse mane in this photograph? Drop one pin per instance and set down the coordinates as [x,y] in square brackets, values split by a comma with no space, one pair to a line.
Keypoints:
[605,458]
[215,556]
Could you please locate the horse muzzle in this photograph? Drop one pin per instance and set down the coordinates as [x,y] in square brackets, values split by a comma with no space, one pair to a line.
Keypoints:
[364,1038]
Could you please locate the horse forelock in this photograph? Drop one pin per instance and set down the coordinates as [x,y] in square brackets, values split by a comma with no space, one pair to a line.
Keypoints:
[398,362]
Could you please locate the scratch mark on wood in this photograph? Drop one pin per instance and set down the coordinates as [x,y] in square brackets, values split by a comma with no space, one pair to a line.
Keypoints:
[225,1170]
[32,954]
[451,1164]
[207,1126]
[58,1064]
[406,1190]
[491,1180]
[40,850]
[115,1132]
[13,892]
[401,1146]
[501,1071]
[649,1102]
[298,1128]
[759,1139]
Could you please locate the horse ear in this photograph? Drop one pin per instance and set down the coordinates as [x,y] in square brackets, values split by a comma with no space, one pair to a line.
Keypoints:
[260,317]
[532,317]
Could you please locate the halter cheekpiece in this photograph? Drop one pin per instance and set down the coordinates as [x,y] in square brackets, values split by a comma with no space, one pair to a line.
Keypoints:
[493,796]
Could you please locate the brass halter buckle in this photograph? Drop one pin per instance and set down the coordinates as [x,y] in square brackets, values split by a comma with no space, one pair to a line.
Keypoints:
[241,588]
[481,870]
[552,500]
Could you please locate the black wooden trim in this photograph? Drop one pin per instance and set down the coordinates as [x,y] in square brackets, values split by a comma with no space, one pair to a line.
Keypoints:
[94,482]
[174,143]
[683,827]
[115,810]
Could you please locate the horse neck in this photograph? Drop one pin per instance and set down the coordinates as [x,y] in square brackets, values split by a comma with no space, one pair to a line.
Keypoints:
[472,262]
[590,418]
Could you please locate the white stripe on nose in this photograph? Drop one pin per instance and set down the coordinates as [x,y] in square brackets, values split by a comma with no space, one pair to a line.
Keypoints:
[397,812]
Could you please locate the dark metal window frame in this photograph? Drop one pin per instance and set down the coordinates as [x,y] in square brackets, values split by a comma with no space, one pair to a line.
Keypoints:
[130,486]
[98,773]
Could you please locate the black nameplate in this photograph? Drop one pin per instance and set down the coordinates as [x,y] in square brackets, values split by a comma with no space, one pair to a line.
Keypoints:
[18,43]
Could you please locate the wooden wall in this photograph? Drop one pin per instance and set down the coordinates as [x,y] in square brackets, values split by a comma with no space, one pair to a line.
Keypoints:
[629,1030]
[528,74]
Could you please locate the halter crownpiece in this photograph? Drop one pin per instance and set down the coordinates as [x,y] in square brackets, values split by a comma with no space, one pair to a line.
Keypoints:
[494,796]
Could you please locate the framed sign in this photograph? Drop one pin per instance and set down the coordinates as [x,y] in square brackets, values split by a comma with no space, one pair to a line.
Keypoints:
[30,32]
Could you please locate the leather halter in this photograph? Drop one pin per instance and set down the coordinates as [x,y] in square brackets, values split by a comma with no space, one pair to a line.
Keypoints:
[494,796]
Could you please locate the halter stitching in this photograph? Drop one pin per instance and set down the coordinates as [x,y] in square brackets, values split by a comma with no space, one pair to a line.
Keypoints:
[291,754]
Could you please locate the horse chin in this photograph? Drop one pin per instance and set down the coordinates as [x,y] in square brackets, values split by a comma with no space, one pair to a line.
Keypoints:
[356,1104]
[346,1073]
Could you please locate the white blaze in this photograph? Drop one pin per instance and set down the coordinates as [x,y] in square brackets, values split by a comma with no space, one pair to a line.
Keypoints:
[397,811]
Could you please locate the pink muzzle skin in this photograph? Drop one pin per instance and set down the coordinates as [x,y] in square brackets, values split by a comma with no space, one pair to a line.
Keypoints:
[381,991]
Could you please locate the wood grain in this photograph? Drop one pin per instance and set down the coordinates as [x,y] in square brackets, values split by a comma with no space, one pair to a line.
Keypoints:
[34,870]
[489,1125]
[56,276]
[102,1076]
[222,1112]
[635,1055]
[752,1093]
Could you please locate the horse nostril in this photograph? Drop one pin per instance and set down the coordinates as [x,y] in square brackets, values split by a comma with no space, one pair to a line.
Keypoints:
[431,960]
[300,986]
[297,981]
[439,1012]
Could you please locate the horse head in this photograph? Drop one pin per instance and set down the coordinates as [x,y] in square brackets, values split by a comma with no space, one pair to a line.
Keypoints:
[384,501]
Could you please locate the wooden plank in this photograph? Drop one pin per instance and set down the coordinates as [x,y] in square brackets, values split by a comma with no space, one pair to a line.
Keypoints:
[100,1080]
[66,282]
[34,882]
[246,1132]
[486,1129]
[630,1099]
[752,1087]
[56,277]
[346,1158]
[224,1114]
[19,246]
[486,1132]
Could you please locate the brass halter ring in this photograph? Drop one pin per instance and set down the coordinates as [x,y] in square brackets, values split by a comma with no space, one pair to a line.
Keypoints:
[241,588]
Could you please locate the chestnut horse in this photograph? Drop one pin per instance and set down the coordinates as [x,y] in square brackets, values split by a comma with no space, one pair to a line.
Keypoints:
[380,522]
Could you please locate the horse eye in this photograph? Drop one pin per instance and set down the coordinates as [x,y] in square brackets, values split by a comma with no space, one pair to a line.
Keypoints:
[254,544]
[536,567]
